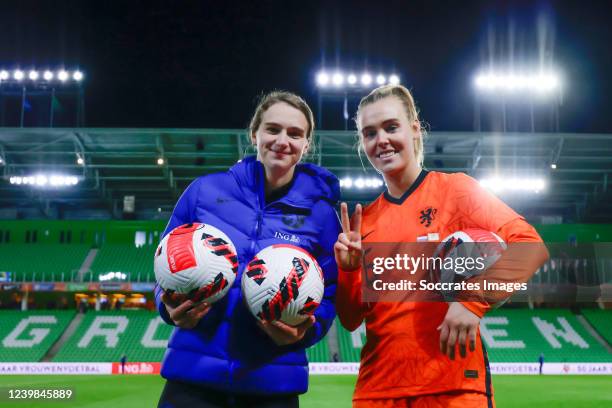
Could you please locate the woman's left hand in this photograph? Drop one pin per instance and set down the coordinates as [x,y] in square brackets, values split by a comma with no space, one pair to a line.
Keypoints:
[460,325]
[283,334]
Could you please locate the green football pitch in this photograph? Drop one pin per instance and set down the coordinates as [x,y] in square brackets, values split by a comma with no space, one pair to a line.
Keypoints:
[325,391]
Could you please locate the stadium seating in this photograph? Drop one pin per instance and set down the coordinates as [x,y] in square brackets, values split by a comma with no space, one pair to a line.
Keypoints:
[136,262]
[601,320]
[519,335]
[350,344]
[42,262]
[510,335]
[319,353]
[106,336]
[27,336]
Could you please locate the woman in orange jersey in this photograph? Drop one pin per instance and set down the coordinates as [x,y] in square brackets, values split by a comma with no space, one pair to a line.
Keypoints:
[418,354]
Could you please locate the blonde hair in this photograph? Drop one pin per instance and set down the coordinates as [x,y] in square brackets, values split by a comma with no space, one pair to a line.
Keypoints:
[405,97]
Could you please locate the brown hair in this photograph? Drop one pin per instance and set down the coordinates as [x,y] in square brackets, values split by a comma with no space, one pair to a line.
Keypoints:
[290,99]
[405,97]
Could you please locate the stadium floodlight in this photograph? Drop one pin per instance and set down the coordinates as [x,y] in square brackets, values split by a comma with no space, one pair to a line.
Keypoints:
[366,79]
[553,166]
[514,184]
[41,180]
[160,161]
[322,79]
[542,82]
[48,75]
[4,75]
[361,183]
[33,75]
[18,75]
[62,75]
[112,275]
[338,79]
[77,76]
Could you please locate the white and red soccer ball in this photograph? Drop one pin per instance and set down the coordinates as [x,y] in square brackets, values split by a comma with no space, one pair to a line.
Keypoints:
[283,282]
[195,262]
[469,243]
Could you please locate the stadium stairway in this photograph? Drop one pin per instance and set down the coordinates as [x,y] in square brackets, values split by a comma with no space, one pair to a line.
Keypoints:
[86,265]
[66,335]
[593,332]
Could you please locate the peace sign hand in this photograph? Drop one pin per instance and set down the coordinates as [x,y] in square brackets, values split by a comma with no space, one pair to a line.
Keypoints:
[348,247]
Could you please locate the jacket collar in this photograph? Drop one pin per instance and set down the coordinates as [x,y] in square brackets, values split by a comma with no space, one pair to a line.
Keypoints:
[311,183]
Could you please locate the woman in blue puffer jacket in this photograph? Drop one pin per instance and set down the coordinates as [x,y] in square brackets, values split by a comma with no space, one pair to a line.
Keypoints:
[219,355]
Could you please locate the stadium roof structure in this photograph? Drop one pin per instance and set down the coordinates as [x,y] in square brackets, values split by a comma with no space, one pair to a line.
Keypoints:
[125,162]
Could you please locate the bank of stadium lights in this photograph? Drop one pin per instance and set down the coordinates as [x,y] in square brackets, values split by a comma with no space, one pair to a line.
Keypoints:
[341,80]
[36,76]
[515,184]
[112,275]
[361,183]
[543,82]
[41,180]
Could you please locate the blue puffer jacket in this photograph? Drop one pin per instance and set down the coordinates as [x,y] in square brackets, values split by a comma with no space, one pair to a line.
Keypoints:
[227,350]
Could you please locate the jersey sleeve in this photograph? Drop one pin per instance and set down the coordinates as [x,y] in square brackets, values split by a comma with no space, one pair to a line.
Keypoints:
[525,253]
[479,207]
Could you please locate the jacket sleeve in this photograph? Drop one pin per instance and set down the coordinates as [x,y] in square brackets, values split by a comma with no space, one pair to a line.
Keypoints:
[326,312]
[184,212]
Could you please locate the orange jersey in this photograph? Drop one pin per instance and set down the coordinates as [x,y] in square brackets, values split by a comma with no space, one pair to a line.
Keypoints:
[401,357]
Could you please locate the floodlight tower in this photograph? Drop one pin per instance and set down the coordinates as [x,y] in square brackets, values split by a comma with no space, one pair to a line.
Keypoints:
[343,85]
[19,84]
[505,86]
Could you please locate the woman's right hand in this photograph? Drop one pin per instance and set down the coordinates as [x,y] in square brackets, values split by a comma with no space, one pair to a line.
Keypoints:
[347,249]
[185,315]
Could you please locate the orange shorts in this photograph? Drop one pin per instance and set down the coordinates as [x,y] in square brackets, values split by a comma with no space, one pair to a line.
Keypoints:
[448,400]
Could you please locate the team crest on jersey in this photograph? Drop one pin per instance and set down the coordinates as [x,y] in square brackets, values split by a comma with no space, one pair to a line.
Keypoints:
[427,216]
[293,221]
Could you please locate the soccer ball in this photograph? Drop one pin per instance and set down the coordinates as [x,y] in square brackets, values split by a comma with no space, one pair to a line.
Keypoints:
[195,262]
[468,244]
[283,282]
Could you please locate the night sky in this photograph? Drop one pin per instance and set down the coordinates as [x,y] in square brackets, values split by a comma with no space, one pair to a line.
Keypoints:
[202,64]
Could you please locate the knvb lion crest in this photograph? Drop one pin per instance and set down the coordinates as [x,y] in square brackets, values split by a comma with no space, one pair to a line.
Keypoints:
[294,221]
[427,216]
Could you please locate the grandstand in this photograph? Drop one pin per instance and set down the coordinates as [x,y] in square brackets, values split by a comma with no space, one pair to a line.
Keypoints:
[510,335]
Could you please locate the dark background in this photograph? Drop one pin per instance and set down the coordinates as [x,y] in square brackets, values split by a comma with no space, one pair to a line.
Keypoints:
[202,64]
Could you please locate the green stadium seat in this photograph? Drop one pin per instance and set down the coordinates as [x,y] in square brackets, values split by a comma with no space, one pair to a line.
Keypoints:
[319,353]
[350,344]
[519,335]
[135,262]
[27,336]
[601,320]
[105,336]
[42,262]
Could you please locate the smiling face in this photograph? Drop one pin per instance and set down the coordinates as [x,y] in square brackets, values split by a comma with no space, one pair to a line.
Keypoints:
[281,139]
[388,136]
